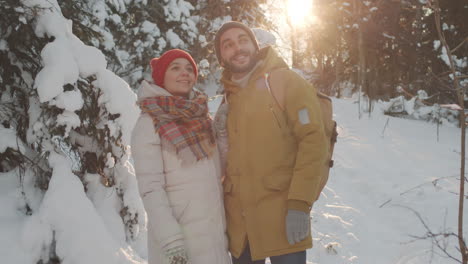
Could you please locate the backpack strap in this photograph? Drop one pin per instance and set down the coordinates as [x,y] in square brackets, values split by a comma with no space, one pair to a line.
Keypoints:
[266,77]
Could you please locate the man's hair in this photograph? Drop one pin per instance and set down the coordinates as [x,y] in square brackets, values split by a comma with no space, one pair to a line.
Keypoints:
[226,26]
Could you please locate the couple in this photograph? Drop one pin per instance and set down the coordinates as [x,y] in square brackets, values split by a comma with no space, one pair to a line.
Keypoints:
[270,134]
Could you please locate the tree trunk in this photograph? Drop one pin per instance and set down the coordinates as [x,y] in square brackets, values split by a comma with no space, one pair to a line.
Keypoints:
[461,102]
[361,54]
[294,48]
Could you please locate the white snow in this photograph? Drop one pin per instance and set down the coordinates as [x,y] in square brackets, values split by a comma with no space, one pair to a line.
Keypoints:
[119,99]
[12,219]
[202,40]
[52,24]
[8,140]
[67,58]
[81,234]
[89,59]
[60,68]
[119,5]
[174,39]
[148,27]
[162,43]
[388,36]
[84,232]
[264,37]
[444,56]
[459,62]
[445,26]
[69,100]
[451,106]
[116,19]
[3,45]
[218,22]
[176,9]
[383,166]
[68,119]
[386,167]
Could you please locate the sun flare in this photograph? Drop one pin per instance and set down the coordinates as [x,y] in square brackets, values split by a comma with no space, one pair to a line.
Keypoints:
[299,11]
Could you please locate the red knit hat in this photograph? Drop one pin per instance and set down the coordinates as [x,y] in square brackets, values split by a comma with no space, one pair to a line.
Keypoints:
[159,65]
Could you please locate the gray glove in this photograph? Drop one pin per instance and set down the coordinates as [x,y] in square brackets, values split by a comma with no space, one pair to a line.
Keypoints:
[297,226]
[176,255]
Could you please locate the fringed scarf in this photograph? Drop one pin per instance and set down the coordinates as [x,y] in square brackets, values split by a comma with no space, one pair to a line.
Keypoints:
[183,123]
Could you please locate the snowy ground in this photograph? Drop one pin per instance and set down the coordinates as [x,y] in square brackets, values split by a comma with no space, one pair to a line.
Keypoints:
[364,214]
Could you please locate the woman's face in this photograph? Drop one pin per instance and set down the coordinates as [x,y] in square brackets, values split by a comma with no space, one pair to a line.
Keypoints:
[179,78]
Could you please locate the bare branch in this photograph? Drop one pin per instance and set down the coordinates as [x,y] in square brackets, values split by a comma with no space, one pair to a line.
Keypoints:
[433,182]
[461,76]
[460,45]
[439,240]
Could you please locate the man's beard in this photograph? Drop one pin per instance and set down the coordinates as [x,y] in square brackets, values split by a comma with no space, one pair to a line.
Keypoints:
[241,69]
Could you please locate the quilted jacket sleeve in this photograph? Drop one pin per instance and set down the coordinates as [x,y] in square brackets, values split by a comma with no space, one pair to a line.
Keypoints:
[149,169]
[304,114]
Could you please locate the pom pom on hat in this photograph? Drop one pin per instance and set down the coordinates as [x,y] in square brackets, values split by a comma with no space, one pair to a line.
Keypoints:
[159,65]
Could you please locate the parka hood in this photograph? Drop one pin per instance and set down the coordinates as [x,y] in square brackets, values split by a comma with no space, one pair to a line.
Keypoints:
[149,89]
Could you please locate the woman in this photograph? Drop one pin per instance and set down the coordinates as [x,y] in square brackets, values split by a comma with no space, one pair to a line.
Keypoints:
[177,166]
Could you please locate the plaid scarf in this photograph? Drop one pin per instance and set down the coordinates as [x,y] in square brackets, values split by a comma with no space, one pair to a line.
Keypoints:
[184,123]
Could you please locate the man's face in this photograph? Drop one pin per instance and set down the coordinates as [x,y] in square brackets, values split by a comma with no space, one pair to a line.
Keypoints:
[237,51]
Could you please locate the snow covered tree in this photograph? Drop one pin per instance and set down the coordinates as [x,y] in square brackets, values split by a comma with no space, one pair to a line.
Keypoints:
[452,15]
[65,123]
[328,45]
[130,33]
[380,45]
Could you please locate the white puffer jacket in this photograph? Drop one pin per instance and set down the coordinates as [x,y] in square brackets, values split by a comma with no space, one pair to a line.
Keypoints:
[184,204]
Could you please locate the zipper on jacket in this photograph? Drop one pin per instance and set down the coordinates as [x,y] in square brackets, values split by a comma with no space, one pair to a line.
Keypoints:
[276,117]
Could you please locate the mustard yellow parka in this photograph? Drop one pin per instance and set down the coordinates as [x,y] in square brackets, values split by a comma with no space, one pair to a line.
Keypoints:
[274,157]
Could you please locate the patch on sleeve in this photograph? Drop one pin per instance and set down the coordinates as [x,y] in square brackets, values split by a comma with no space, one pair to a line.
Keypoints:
[304,116]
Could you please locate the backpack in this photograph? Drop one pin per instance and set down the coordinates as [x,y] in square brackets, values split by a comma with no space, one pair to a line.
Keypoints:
[329,124]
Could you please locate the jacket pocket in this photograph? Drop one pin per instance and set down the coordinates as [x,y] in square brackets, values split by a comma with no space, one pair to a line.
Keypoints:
[277,182]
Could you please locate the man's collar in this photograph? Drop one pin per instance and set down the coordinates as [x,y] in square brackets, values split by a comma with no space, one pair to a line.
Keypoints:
[242,82]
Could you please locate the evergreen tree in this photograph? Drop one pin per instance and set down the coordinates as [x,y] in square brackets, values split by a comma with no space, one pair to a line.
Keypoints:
[384,45]
[63,111]
[131,33]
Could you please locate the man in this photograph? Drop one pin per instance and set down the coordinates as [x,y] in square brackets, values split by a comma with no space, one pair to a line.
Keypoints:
[276,149]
